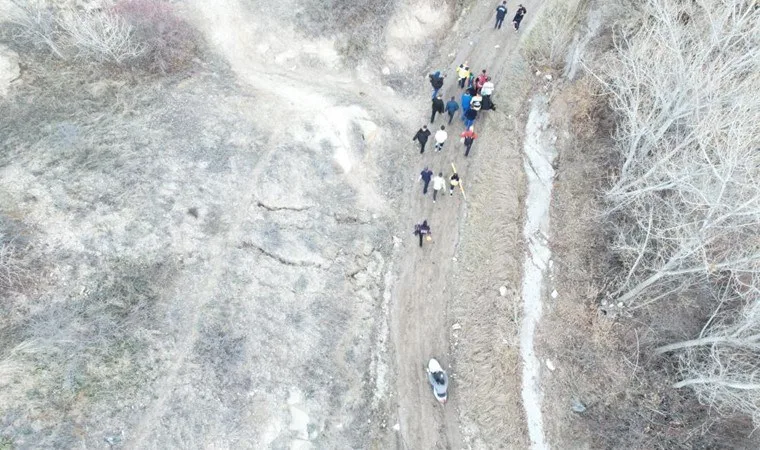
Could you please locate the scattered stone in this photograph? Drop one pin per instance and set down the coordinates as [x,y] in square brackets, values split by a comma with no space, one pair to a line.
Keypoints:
[454,259]
[604,302]
[620,304]
[503,291]
[386,70]
[496,46]
[550,364]
[578,406]
[538,73]
[555,293]
[548,77]
[456,326]
[551,261]
[396,427]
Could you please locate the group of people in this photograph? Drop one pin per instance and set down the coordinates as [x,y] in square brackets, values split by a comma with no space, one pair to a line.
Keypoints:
[501,13]
[476,97]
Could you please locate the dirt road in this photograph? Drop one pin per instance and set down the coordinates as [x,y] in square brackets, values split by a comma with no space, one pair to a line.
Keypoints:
[428,295]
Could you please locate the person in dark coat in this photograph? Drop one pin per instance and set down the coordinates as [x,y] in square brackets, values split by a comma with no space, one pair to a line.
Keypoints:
[451,107]
[469,118]
[422,230]
[426,175]
[501,12]
[438,107]
[521,11]
[436,80]
[422,137]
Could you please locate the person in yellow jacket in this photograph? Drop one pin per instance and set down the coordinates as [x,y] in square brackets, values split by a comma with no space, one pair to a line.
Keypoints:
[463,73]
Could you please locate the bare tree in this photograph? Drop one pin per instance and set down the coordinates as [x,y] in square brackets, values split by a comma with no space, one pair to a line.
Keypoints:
[686,203]
[721,364]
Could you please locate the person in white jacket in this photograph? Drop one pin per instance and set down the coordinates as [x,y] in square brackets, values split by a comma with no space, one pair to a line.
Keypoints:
[440,138]
[487,88]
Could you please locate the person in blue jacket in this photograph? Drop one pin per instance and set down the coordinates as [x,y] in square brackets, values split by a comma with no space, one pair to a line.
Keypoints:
[451,108]
[466,97]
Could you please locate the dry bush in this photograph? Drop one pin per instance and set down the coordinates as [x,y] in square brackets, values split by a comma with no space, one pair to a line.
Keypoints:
[100,36]
[359,24]
[169,42]
[145,34]
[550,38]
[36,23]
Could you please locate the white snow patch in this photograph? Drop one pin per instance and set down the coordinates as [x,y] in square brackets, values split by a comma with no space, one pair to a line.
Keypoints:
[540,174]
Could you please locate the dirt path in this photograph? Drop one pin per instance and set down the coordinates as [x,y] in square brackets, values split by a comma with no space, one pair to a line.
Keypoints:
[421,318]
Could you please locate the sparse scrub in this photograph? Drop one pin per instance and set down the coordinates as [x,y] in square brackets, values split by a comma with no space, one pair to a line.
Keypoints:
[550,38]
[101,36]
[144,34]
[360,24]
[168,42]
[86,352]
[684,204]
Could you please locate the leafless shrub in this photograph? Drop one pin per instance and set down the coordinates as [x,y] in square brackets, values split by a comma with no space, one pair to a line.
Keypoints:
[36,23]
[145,34]
[102,36]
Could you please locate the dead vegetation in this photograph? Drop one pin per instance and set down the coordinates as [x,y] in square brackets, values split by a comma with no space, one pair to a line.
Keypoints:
[673,271]
[138,34]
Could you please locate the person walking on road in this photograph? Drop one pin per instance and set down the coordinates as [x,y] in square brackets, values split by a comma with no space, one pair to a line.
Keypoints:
[438,184]
[501,13]
[468,137]
[440,138]
[469,118]
[521,11]
[422,230]
[425,176]
[487,88]
[463,73]
[438,107]
[453,183]
[422,137]
[451,108]
[436,80]
[480,81]
[466,98]
[476,103]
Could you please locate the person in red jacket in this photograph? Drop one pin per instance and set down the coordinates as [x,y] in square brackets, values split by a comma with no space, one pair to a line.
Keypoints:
[468,137]
[480,81]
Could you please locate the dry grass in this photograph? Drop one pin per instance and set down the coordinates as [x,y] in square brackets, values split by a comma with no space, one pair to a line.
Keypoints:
[487,349]
[136,34]
[547,44]
[359,24]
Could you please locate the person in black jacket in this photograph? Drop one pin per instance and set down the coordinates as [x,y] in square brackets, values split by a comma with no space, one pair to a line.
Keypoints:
[422,137]
[501,12]
[521,11]
[422,230]
[425,176]
[436,80]
[438,107]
